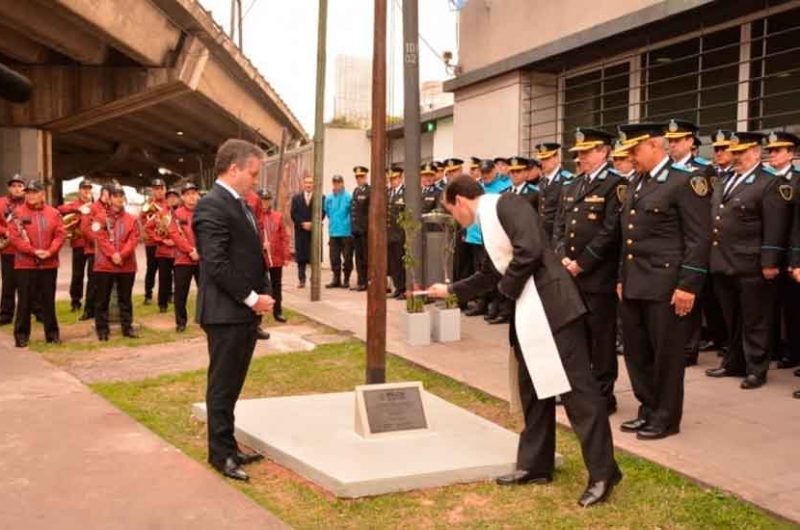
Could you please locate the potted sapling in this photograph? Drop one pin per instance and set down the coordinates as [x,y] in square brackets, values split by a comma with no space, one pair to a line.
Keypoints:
[446,314]
[416,321]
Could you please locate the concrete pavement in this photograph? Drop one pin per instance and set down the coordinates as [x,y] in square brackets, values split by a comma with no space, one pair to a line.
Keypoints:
[744,442]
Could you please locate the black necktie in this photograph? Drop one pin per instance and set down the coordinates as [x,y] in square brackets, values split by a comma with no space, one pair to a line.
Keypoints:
[248,214]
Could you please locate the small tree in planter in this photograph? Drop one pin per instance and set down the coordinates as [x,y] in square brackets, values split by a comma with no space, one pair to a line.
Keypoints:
[446,315]
[417,322]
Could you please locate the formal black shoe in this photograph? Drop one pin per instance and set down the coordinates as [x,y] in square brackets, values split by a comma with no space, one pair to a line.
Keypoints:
[399,295]
[499,319]
[786,363]
[85,316]
[301,285]
[522,476]
[490,315]
[74,308]
[597,492]
[707,345]
[653,432]
[21,343]
[690,361]
[53,340]
[6,321]
[231,469]
[722,372]
[796,394]
[360,288]
[162,309]
[345,285]
[611,407]
[148,301]
[475,311]
[262,334]
[246,458]
[690,357]
[180,329]
[634,425]
[335,284]
[102,337]
[753,381]
[279,318]
[797,373]
[130,333]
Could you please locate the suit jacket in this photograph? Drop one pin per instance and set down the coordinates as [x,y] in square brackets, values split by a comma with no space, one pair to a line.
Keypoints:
[532,257]
[231,263]
[549,195]
[587,228]
[301,213]
[751,224]
[395,204]
[359,210]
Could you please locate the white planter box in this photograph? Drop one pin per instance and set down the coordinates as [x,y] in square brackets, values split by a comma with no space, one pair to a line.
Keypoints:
[417,328]
[446,324]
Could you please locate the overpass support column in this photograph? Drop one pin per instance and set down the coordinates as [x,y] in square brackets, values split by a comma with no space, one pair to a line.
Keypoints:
[28,152]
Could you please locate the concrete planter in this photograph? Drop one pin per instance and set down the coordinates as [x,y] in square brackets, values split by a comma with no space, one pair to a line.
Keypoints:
[417,328]
[446,324]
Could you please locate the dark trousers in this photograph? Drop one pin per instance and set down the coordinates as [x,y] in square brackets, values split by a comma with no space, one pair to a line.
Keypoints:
[183,281]
[9,288]
[601,329]
[397,272]
[360,252]
[301,271]
[165,266]
[341,255]
[478,255]
[91,287]
[654,337]
[464,261]
[276,281]
[152,268]
[78,273]
[230,348]
[36,287]
[709,322]
[105,285]
[584,406]
[748,306]
[790,292]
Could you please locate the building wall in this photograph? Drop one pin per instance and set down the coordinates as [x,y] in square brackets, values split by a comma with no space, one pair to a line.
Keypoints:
[344,148]
[492,30]
[442,144]
[487,118]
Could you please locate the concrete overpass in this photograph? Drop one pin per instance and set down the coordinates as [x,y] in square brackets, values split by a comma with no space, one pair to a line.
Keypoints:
[123,87]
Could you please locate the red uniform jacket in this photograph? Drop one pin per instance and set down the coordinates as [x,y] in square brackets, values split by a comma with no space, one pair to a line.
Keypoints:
[75,207]
[90,225]
[276,235]
[150,226]
[180,231]
[32,230]
[119,232]
[163,250]
[7,207]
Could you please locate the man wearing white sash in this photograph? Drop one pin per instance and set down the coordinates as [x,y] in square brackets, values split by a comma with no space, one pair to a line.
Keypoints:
[547,335]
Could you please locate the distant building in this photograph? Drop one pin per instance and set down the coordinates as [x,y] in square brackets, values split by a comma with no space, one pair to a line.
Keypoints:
[352,100]
[432,96]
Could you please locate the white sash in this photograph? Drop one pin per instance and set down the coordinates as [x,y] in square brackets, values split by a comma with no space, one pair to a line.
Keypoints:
[530,321]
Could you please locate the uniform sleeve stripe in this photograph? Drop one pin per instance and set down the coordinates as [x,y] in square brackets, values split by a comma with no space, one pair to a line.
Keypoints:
[593,253]
[695,269]
[768,247]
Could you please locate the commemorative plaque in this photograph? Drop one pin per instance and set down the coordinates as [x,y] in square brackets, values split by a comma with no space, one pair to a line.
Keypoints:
[390,408]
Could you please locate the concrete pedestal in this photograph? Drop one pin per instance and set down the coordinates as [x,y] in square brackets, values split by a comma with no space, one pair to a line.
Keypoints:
[314,436]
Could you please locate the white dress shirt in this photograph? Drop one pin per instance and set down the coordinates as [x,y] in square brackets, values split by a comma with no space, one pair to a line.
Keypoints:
[251,298]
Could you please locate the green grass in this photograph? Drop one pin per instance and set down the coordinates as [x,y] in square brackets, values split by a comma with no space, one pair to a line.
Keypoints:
[649,497]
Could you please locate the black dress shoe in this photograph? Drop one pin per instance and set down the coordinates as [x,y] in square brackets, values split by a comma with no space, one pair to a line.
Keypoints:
[246,458]
[722,372]
[634,425]
[231,469]
[6,321]
[597,492]
[301,285]
[796,394]
[653,432]
[279,318]
[102,337]
[262,334]
[21,343]
[786,363]
[74,308]
[522,476]
[475,311]
[707,345]
[333,285]
[690,356]
[180,329]
[611,407]
[400,295]
[53,340]
[361,288]
[130,333]
[148,301]
[162,309]
[753,381]
[85,316]
[499,319]
[797,373]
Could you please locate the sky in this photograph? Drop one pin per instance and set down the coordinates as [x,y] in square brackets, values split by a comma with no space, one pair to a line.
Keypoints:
[280,38]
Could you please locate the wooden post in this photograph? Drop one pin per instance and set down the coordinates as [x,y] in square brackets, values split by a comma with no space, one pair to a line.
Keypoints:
[376,243]
[319,144]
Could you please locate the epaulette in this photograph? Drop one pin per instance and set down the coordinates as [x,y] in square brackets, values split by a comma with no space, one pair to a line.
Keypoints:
[506,190]
[614,172]
[700,161]
[769,170]
[682,167]
[568,181]
[566,174]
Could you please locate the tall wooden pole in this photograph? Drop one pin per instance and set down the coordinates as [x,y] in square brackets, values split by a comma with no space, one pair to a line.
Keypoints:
[319,134]
[376,239]
[411,133]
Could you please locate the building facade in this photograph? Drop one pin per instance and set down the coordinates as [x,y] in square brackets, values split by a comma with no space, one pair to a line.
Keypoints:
[352,99]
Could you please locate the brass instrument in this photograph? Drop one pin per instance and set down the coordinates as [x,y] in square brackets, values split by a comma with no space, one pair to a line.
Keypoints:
[150,209]
[72,223]
[4,240]
[162,228]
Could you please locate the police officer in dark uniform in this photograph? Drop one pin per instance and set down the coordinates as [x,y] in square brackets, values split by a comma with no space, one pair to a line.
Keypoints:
[359,222]
[666,231]
[430,191]
[752,216]
[452,168]
[395,234]
[475,167]
[723,158]
[682,138]
[587,241]
[553,176]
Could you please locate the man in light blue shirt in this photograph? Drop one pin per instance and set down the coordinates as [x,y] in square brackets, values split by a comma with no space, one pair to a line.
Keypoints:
[340,242]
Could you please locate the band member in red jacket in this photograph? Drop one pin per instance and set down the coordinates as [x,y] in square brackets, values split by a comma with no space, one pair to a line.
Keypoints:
[77,209]
[97,212]
[157,202]
[37,234]
[165,249]
[186,255]
[9,203]
[116,237]
[276,249]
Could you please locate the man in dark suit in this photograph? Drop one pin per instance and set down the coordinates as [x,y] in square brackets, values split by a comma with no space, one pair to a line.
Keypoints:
[564,311]
[301,217]
[230,297]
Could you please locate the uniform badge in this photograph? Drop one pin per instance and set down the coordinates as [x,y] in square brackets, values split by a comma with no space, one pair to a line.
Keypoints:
[773,138]
[713,181]
[673,127]
[720,136]
[95,226]
[786,192]
[84,210]
[592,216]
[621,189]
[699,185]
[579,136]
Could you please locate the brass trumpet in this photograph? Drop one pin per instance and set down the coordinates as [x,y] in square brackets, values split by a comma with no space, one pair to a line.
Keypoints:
[71,225]
[162,229]
[150,209]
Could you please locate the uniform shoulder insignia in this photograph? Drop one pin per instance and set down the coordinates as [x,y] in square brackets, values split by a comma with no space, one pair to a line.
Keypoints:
[614,172]
[700,161]
[568,180]
[96,226]
[682,167]
[567,175]
[621,189]
[786,192]
[769,170]
[699,186]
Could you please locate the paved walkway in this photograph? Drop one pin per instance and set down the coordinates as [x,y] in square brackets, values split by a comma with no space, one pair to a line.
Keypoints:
[745,442]
[70,460]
